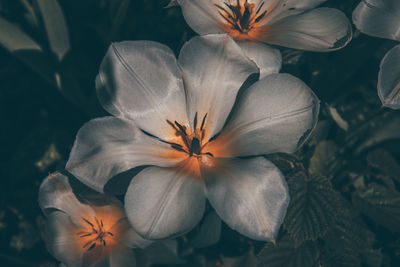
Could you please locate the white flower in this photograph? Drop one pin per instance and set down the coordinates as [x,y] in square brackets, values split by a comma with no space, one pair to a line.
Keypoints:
[95,233]
[381,18]
[172,115]
[289,23]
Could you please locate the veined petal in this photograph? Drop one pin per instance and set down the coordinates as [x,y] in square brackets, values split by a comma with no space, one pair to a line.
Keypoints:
[321,29]
[279,9]
[55,192]
[164,202]
[267,59]
[107,146]
[379,18]
[61,239]
[250,195]
[389,79]
[141,80]
[202,15]
[276,114]
[213,68]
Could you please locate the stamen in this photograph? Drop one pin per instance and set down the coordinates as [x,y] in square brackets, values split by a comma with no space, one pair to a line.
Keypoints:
[92,246]
[195,121]
[202,123]
[88,222]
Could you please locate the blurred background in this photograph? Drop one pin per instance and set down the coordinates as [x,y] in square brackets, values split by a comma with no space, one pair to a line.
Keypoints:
[344,183]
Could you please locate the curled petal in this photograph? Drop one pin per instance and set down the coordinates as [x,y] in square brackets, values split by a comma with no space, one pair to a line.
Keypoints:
[267,59]
[164,202]
[107,146]
[379,18]
[276,114]
[250,195]
[141,80]
[213,68]
[389,79]
[321,29]
[55,192]
[61,239]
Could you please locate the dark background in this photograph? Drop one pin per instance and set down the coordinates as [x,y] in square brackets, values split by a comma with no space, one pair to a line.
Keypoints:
[345,207]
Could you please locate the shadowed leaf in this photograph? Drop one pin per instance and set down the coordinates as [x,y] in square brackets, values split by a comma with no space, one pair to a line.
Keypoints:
[56,27]
[311,208]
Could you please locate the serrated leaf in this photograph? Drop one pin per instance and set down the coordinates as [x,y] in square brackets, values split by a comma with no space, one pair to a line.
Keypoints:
[382,205]
[14,39]
[323,159]
[311,208]
[209,231]
[56,27]
[348,242]
[286,254]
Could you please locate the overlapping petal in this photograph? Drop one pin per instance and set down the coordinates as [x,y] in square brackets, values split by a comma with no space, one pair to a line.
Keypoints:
[55,192]
[389,79]
[141,80]
[250,195]
[321,29]
[164,202]
[276,114]
[61,239]
[213,69]
[267,59]
[107,146]
[379,18]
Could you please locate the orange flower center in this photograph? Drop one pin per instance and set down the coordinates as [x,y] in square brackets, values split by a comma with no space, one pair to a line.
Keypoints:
[97,234]
[241,18]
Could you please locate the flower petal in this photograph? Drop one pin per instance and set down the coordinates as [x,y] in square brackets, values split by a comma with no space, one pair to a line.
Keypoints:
[61,239]
[202,16]
[122,257]
[213,68]
[55,192]
[378,18]
[128,236]
[107,146]
[267,59]
[164,202]
[279,9]
[321,29]
[250,195]
[276,114]
[389,79]
[141,80]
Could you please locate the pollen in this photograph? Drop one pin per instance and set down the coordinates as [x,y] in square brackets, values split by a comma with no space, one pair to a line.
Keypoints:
[241,18]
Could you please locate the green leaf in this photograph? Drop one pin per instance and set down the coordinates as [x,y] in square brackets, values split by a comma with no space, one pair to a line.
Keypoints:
[56,27]
[382,205]
[286,254]
[209,231]
[323,160]
[14,39]
[311,207]
[348,243]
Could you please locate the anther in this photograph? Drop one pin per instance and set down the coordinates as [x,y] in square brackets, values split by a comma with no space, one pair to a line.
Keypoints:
[195,121]
[202,123]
